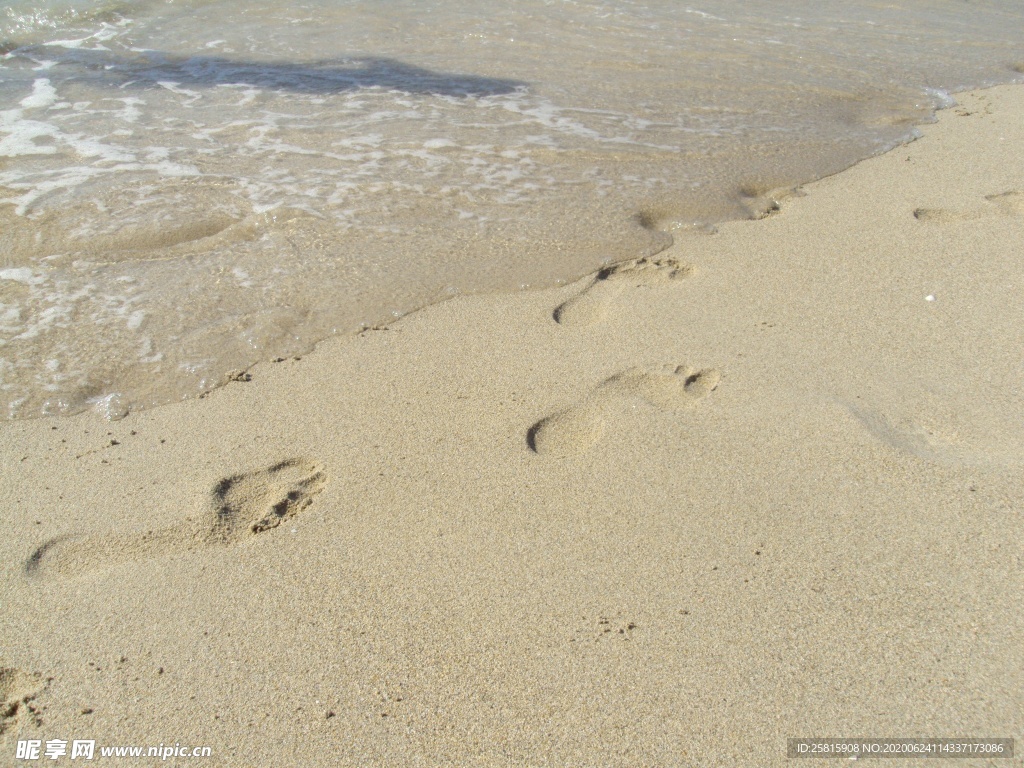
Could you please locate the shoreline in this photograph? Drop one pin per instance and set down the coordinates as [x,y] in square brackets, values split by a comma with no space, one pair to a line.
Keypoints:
[189,359]
[762,485]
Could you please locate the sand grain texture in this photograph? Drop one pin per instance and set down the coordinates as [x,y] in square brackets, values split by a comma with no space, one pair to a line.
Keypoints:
[780,497]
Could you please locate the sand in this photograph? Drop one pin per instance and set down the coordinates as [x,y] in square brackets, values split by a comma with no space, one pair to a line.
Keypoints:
[764,485]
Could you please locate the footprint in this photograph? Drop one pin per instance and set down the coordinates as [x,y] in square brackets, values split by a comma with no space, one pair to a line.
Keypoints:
[158,237]
[17,690]
[258,501]
[178,241]
[1009,203]
[593,303]
[936,441]
[760,201]
[567,433]
[574,430]
[943,215]
[239,508]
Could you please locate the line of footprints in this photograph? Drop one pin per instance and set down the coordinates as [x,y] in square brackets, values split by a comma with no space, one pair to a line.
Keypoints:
[246,505]
[675,387]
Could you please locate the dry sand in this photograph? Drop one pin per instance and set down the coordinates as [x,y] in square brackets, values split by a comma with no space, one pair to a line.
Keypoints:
[766,485]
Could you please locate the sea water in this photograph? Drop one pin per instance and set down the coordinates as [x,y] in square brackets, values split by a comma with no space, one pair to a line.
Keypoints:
[191,186]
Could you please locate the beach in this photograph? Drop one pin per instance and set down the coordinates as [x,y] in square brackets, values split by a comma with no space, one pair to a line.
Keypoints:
[763,484]
[190,188]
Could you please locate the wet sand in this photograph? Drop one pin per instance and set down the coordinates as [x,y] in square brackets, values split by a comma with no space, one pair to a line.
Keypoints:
[765,484]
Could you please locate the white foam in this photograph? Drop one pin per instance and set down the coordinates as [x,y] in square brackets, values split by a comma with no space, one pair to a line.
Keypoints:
[381,157]
[43,95]
[242,277]
[940,98]
[135,319]
[22,134]
[10,318]
[176,88]
[112,407]
[22,275]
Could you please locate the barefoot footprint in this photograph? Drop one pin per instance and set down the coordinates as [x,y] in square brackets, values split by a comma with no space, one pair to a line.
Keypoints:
[1009,203]
[1004,204]
[17,690]
[574,430]
[593,303]
[240,507]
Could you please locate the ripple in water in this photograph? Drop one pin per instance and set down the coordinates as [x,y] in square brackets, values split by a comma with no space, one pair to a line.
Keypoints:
[189,188]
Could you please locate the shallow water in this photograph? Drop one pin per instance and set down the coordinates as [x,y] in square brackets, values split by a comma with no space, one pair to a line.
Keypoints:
[187,188]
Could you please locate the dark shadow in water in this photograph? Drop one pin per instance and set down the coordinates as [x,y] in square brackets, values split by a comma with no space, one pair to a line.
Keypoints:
[146,69]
